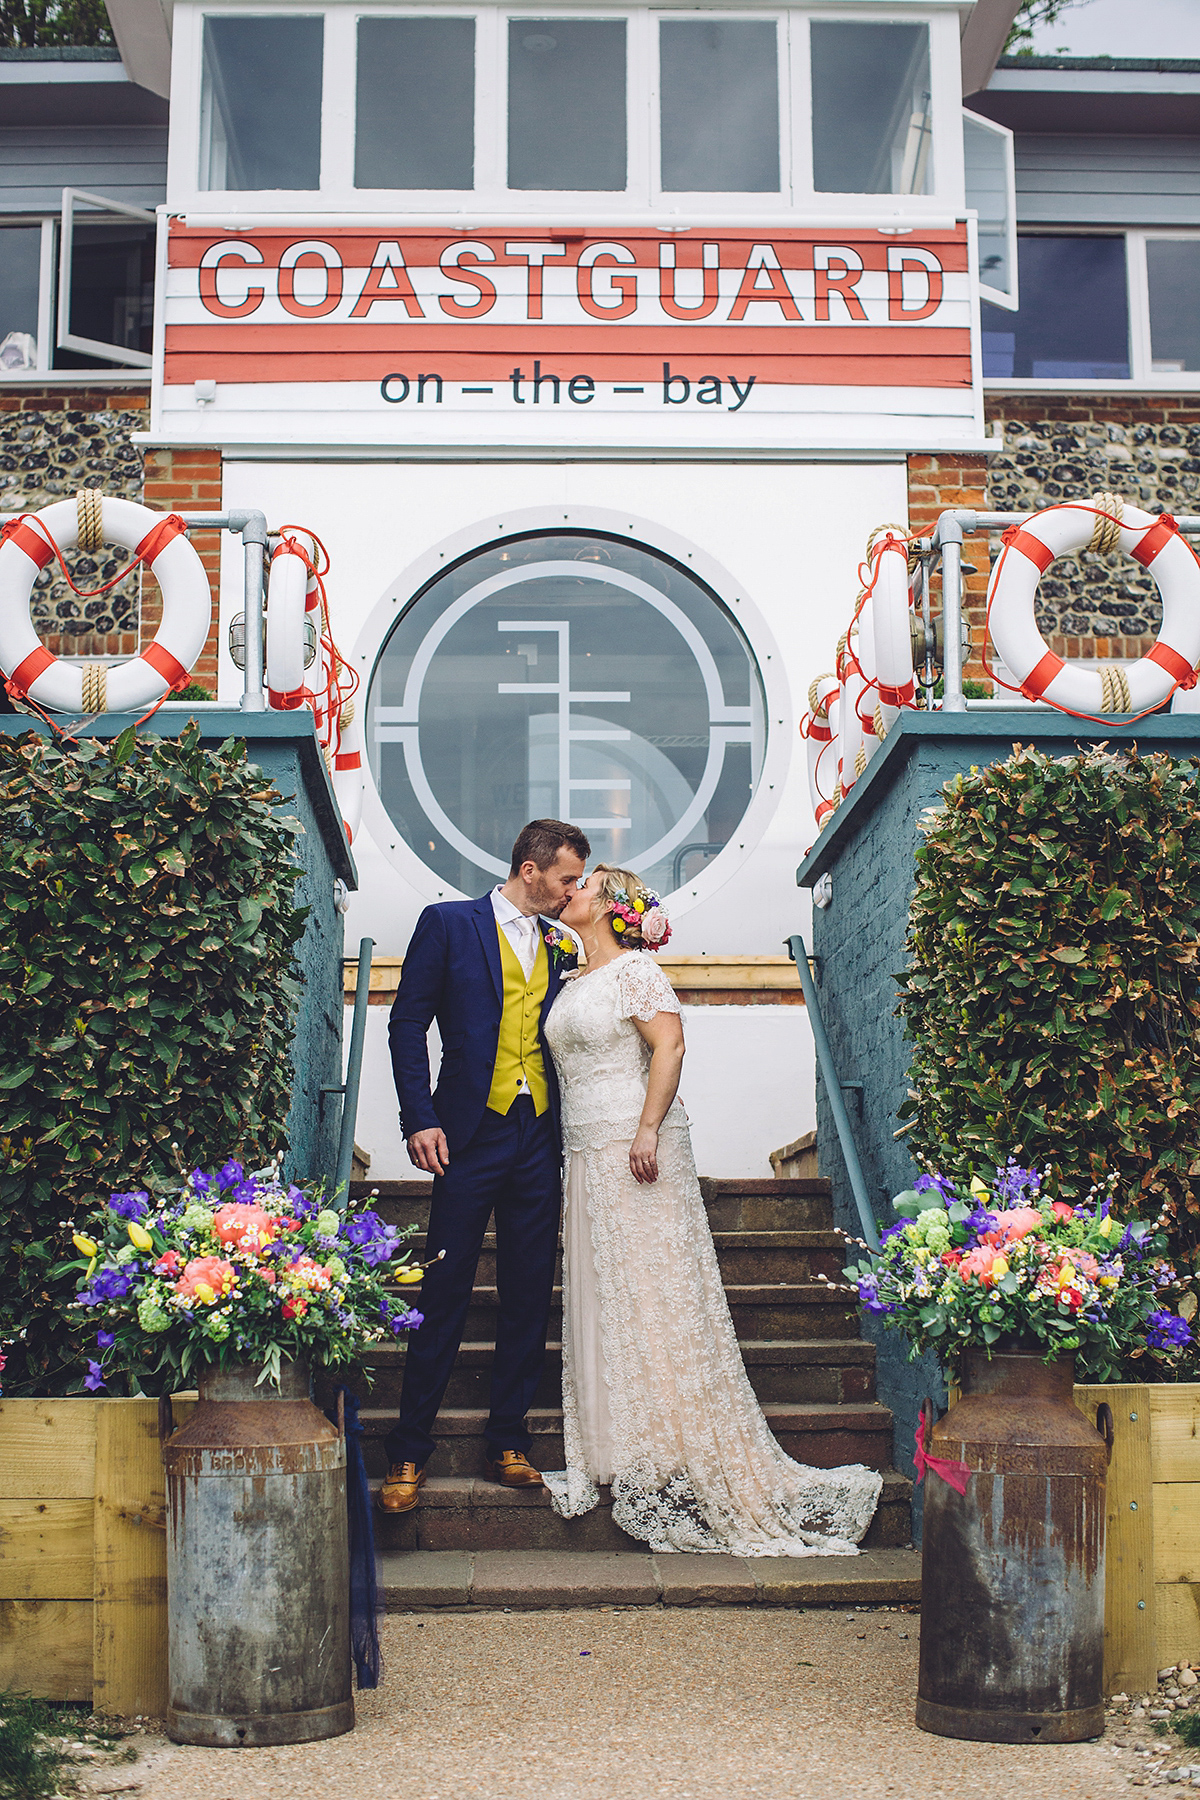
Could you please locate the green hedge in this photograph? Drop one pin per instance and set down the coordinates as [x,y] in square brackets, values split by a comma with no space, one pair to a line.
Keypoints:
[1053,996]
[148,982]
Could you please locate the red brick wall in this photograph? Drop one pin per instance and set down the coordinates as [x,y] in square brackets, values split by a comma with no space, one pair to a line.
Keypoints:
[187,481]
[934,484]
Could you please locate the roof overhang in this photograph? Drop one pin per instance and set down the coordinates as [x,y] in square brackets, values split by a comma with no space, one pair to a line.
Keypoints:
[73,87]
[1140,97]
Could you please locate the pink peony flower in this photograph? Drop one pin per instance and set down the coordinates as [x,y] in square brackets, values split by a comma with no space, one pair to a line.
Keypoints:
[978,1262]
[1015,1224]
[304,1272]
[1062,1211]
[168,1263]
[243,1227]
[206,1279]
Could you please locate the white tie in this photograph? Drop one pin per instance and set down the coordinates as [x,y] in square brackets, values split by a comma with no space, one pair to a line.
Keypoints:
[526,943]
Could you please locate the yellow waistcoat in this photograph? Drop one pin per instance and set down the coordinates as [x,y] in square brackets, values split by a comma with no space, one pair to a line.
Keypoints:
[519,1050]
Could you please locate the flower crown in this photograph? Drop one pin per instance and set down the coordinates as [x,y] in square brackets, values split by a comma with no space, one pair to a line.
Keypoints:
[645,913]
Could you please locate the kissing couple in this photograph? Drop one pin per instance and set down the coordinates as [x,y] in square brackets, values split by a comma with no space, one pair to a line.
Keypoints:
[558,1092]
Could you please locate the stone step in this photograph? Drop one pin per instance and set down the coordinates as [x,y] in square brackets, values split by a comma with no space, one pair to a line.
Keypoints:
[824,1371]
[468,1513]
[540,1580]
[759,1310]
[743,1256]
[733,1205]
[821,1436]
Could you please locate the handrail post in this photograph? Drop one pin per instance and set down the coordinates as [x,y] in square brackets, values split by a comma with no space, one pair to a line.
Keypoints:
[833,1089]
[358,1033]
[949,539]
[253,528]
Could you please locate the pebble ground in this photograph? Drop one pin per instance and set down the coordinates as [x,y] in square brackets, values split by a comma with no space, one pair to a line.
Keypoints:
[726,1703]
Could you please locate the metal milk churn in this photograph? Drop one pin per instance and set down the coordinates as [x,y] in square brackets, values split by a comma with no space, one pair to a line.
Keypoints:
[1012,1571]
[258,1578]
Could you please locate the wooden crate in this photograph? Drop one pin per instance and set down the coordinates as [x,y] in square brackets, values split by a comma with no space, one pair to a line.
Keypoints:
[1152,1599]
[83,1551]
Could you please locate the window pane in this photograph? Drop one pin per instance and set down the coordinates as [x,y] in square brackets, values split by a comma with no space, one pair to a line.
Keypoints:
[1173,269]
[112,290]
[719,84]
[872,125]
[416,104]
[1074,317]
[566,104]
[261,109]
[598,708]
[20,255]
[986,154]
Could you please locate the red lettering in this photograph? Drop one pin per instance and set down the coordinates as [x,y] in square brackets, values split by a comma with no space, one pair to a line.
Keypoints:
[310,256]
[452,266]
[534,256]
[387,279]
[763,261]
[908,259]
[606,257]
[837,271]
[710,290]
[237,256]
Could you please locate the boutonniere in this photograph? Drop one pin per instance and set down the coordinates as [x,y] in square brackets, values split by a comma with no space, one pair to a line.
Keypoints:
[560,944]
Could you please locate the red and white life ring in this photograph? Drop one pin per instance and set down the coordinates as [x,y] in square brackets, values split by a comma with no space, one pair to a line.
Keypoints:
[890,630]
[1152,541]
[347,769]
[852,755]
[822,751]
[160,541]
[293,596]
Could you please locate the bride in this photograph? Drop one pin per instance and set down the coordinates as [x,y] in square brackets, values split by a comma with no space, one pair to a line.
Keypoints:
[655,1396]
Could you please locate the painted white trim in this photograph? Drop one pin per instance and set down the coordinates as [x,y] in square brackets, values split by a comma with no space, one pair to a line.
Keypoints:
[780,717]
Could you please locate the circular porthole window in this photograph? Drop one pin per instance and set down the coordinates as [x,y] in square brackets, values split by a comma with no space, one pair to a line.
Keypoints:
[570,676]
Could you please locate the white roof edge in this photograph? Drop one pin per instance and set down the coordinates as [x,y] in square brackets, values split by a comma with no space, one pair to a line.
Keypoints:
[983,40]
[142,29]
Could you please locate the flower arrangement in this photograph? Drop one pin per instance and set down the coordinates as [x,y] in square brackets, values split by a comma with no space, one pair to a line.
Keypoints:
[968,1271]
[559,943]
[644,912]
[231,1268]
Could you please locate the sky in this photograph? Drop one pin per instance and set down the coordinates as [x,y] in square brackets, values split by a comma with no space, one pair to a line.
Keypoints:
[1102,28]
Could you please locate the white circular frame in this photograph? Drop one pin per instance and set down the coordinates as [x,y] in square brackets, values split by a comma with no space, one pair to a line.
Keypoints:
[644,533]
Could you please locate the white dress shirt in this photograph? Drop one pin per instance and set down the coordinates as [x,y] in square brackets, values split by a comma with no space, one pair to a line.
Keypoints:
[521,931]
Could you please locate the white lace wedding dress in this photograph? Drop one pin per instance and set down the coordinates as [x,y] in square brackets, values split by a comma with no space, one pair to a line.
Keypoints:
[655,1395]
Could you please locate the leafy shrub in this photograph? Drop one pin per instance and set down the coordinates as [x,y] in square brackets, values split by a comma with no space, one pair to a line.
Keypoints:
[147,889]
[1053,995]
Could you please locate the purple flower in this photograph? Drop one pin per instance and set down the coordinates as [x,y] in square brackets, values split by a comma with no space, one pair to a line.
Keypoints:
[107,1284]
[130,1206]
[376,1241]
[981,1221]
[408,1322]
[201,1182]
[94,1378]
[1015,1186]
[105,1339]
[1167,1331]
[245,1193]
[302,1208]
[945,1188]
[230,1175]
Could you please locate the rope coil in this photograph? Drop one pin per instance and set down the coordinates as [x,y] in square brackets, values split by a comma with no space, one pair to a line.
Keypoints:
[95,687]
[89,508]
[1114,690]
[1106,531]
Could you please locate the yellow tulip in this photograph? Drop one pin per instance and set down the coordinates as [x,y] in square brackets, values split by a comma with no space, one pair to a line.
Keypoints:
[84,1245]
[406,1277]
[978,1189]
[139,1237]
[91,1268]
[204,1293]
[1106,1227]
[999,1268]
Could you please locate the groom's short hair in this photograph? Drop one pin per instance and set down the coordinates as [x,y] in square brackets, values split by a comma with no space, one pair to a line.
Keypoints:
[542,839]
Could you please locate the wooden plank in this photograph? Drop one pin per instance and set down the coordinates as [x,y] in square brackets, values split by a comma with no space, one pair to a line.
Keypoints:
[1175,1434]
[1177,1531]
[47,1449]
[46,1648]
[1130,1662]
[129,1645]
[751,974]
[45,1549]
[1176,1622]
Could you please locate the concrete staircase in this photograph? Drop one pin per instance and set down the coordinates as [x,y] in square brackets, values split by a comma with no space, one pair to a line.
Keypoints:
[474,1543]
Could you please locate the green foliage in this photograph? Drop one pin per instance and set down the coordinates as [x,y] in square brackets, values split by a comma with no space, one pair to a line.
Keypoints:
[147,889]
[31,1765]
[1052,995]
[51,24]
[195,690]
[1187,1725]
[1030,14]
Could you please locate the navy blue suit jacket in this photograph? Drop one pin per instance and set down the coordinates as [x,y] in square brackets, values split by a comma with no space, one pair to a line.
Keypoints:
[452,973]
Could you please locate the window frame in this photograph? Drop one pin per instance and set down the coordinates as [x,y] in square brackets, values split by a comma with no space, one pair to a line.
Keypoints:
[113,363]
[1007,301]
[1142,376]
[643,199]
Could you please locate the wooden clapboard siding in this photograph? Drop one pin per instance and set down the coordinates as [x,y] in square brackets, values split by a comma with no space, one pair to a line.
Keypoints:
[122,162]
[1067,179]
[46,1648]
[49,1449]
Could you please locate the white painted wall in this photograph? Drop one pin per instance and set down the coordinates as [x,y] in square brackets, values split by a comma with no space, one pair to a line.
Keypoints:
[747,1086]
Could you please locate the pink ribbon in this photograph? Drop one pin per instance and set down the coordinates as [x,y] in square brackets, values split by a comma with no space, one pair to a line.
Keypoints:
[956,1474]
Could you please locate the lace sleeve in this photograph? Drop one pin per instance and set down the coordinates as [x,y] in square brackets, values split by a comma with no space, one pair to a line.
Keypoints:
[643,990]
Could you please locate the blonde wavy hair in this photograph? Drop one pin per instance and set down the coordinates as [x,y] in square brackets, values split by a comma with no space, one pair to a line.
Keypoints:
[619,883]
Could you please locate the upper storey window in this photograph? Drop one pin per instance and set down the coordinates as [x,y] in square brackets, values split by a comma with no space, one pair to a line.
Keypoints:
[421,109]
[261,106]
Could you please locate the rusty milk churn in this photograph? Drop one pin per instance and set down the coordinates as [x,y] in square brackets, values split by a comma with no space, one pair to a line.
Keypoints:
[1012,1571]
[258,1575]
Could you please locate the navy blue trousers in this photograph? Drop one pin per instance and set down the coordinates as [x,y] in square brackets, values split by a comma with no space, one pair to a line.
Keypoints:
[512,1167]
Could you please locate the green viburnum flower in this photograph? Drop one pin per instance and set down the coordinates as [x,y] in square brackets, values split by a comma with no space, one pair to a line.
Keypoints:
[125,1254]
[216,1327]
[196,1217]
[151,1316]
[336,1267]
[327,1223]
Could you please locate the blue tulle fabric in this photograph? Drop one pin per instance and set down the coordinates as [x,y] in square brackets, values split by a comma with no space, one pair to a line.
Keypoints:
[364,1584]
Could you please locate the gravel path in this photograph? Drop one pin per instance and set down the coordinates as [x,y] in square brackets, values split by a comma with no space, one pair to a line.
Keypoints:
[712,1704]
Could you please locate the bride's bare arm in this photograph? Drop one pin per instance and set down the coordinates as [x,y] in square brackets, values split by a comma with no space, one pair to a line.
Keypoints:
[664,1034]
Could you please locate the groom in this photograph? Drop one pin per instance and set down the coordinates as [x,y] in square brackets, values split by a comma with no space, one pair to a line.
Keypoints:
[489,1135]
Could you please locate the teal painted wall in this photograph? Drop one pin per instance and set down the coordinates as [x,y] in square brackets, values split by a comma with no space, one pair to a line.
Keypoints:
[867,849]
[284,745]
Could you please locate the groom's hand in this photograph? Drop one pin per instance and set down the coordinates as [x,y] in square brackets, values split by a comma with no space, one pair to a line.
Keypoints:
[429,1151]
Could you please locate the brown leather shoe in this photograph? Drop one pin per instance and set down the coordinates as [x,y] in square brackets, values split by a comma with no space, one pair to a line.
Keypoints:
[399,1493]
[512,1468]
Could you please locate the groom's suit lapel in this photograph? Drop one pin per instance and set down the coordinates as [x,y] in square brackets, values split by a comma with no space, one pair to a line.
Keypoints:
[485,924]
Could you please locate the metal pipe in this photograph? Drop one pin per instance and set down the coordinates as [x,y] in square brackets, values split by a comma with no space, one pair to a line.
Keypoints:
[833,1088]
[358,1033]
[949,537]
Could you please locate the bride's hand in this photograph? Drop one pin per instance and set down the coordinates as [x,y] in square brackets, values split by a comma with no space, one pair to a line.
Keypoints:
[643,1155]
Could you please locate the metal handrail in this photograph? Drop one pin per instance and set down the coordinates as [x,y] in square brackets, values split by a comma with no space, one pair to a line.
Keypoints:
[353,1082]
[833,1088]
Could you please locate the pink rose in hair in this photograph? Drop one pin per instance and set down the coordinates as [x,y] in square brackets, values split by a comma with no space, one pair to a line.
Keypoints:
[655,925]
